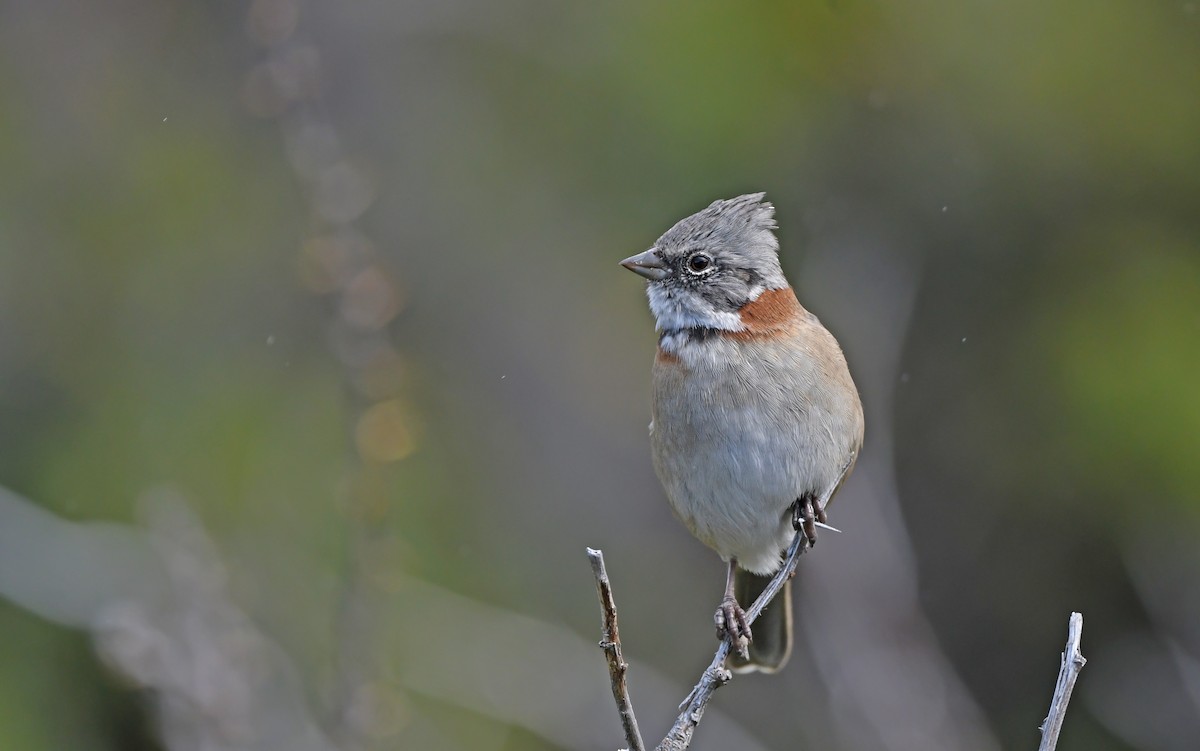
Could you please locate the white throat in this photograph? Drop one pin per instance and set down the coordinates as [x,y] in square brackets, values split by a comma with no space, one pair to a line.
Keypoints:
[673,312]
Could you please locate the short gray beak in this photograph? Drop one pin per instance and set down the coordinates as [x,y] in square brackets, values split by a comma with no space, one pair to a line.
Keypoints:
[647,264]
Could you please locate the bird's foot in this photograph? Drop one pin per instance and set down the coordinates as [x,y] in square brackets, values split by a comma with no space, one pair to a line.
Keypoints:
[731,625]
[807,515]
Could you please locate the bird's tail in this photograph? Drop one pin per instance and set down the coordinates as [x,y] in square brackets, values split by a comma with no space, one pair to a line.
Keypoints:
[772,630]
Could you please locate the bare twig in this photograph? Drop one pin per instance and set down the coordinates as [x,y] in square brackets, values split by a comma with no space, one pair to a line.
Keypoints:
[716,675]
[1072,662]
[679,737]
[611,644]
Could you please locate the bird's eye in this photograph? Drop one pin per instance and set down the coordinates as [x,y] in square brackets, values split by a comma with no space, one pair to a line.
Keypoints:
[698,263]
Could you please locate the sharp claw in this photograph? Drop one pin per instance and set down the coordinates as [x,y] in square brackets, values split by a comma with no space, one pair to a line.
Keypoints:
[731,624]
[807,515]
[742,645]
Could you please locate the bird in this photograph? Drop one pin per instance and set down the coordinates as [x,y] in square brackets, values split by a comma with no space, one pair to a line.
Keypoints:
[755,419]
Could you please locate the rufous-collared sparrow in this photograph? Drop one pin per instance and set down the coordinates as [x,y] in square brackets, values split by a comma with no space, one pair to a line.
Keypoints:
[755,416]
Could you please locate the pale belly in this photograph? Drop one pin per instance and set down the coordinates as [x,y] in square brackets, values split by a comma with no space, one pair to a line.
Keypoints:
[734,458]
[734,494]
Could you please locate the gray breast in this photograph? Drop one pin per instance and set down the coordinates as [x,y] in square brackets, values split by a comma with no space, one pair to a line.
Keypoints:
[741,430]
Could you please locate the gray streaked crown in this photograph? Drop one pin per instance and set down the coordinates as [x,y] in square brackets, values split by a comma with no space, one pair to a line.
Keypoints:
[738,232]
[737,236]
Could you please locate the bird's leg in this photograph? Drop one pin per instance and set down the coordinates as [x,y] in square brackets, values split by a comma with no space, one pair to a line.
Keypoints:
[731,619]
[806,514]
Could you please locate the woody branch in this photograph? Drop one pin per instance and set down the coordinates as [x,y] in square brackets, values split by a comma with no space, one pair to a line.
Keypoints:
[679,737]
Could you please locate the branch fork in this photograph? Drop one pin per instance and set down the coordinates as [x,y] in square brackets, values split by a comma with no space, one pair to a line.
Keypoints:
[679,737]
[714,676]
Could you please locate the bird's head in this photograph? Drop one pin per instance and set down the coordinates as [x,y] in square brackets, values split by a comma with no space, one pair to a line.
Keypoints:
[703,270]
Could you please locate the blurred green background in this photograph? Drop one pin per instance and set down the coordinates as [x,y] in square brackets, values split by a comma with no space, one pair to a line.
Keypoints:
[314,348]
